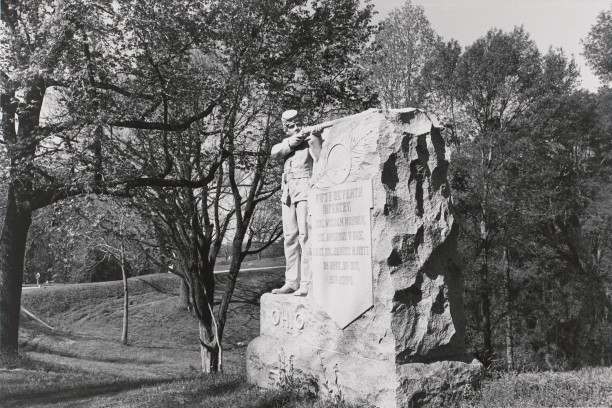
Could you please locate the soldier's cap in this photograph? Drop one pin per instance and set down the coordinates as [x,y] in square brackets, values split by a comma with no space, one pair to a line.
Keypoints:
[290,115]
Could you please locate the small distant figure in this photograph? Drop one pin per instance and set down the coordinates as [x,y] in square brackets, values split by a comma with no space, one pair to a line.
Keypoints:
[38,279]
[299,149]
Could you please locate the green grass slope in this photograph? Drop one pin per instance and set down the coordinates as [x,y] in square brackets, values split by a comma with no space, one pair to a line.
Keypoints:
[81,363]
[83,356]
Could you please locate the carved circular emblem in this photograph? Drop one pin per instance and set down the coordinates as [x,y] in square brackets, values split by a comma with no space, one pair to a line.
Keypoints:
[338,163]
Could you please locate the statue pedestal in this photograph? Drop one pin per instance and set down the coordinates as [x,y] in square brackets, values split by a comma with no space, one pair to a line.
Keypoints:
[299,340]
[383,323]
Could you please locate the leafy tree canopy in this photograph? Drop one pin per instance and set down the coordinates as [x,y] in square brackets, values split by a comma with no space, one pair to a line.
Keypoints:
[598,46]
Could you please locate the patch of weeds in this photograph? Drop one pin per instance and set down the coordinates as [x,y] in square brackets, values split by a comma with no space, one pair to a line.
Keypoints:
[331,390]
[294,381]
[303,387]
[587,387]
[456,396]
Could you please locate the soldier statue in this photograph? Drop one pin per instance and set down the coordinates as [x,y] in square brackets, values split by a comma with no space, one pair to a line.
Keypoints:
[299,150]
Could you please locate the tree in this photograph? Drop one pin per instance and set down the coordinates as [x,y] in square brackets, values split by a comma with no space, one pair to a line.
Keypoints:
[266,227]
[598,46]
[440,95]
[97,56]
[64,241]
[397,57]
[574,322]
[507,90]
[144,86]
[120,252]
[492,78]
[527,185]
[294,70]
[530,171]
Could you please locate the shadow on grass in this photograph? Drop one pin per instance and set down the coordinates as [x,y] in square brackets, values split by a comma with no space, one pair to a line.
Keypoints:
[195,348]
[27,344]
[77,392]
[157,288]
[79,356]
[219,389]
[59,336]
[40,329]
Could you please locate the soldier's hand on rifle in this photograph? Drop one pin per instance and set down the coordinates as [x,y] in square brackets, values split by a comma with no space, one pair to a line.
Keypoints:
[314,132]
[296,140]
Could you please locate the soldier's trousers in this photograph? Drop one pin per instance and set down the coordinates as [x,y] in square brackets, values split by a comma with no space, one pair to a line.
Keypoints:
[297,248]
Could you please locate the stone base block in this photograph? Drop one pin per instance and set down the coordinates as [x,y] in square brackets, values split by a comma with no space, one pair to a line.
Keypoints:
[355,379]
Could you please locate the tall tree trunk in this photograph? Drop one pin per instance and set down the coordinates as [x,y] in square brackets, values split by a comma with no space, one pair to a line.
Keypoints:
[126,294]
[486,325]
[184,299]
[17,222]
[485,304]
[509,328]
[209,349]
[232,276]
[201,287]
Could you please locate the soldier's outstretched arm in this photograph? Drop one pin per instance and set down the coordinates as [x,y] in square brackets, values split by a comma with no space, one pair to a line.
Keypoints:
[281,149]
[288,145]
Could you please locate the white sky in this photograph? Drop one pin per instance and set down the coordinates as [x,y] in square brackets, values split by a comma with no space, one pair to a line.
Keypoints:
[556,23]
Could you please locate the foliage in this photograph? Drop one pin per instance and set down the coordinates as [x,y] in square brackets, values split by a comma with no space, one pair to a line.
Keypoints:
[523,193]
[598,46]
[69,242]
[501,82]
[566,281]
[438,87]
[222,168]
[306,385]
[165,96]
[587,387]
[530,173]
[524,180]
[396,59]
[294,381]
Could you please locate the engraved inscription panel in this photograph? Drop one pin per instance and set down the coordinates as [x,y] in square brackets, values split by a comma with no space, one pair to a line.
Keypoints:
[341,245]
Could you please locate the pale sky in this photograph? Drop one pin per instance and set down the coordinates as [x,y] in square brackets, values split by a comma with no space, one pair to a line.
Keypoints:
[556,23]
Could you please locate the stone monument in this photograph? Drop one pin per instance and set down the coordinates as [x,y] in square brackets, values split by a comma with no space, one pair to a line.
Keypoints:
[384,322]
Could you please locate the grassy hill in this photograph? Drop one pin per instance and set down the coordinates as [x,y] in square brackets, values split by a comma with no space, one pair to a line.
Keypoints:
[82,362]
[83,356]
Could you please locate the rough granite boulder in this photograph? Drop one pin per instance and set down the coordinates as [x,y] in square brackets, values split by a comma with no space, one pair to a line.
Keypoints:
[408,349]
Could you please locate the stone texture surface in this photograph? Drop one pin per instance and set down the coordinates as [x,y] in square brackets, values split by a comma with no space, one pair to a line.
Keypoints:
[297,332]
[410,346]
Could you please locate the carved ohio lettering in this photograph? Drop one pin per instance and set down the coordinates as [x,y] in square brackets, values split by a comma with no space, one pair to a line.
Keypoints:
[288,319]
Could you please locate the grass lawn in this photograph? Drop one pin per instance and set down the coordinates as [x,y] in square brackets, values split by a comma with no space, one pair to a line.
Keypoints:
[81,363]
[83,357]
